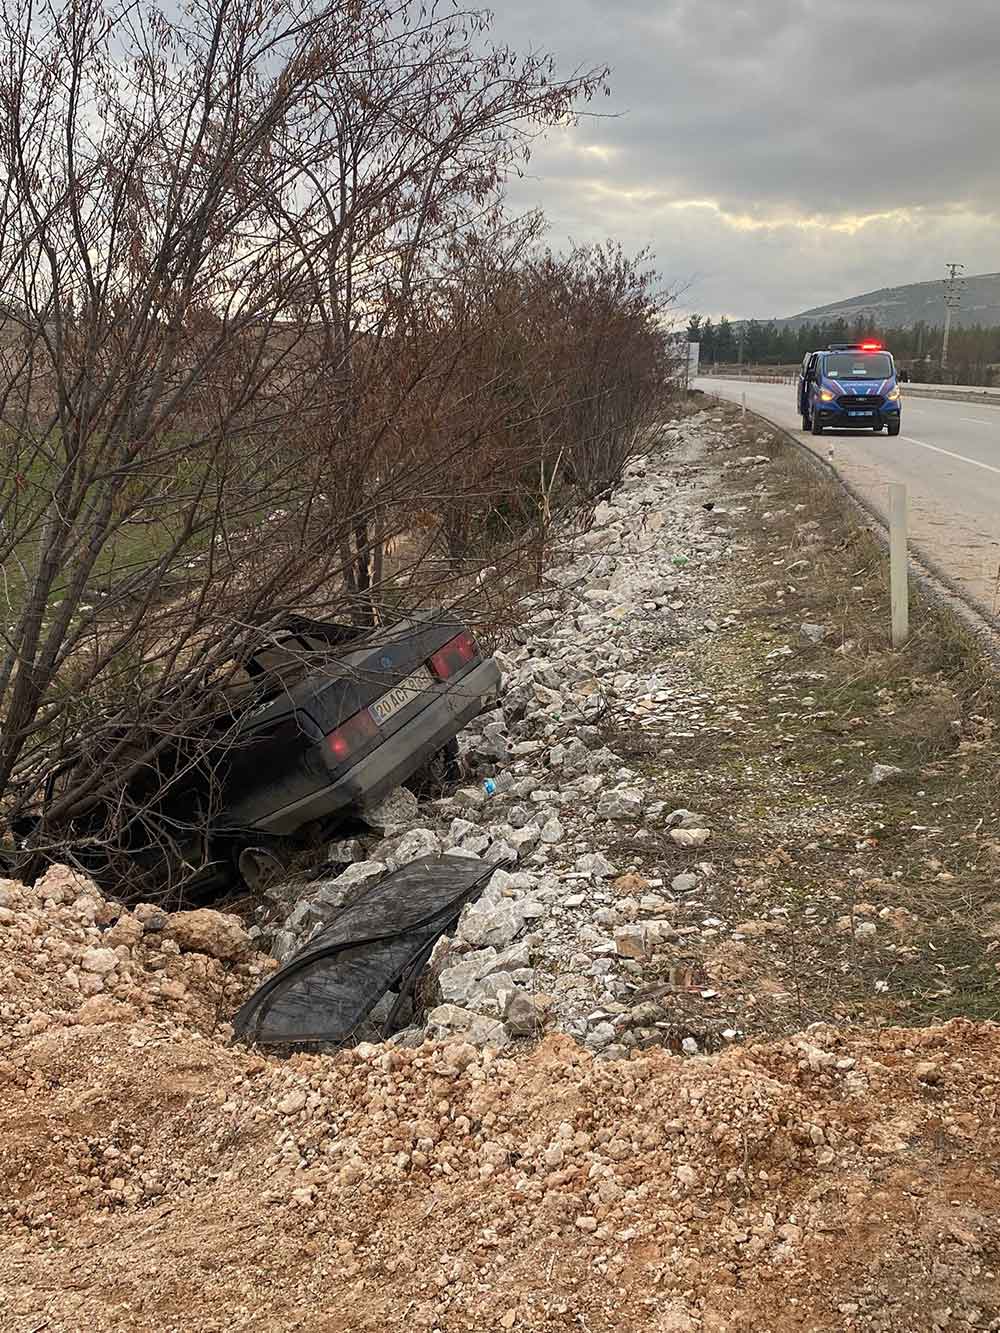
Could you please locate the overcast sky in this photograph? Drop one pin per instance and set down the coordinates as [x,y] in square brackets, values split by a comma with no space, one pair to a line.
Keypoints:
[776,154]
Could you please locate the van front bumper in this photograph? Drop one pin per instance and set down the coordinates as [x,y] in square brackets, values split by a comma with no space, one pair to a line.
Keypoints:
[856,418]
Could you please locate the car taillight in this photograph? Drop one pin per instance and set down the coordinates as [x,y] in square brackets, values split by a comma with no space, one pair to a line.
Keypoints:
[456,653]
[351,735]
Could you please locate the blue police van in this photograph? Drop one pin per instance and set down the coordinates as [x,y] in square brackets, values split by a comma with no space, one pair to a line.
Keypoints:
[852,386]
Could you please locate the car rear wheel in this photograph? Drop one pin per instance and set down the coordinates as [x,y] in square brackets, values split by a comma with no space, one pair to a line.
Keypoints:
[438,773]
[814,424]
[259,866]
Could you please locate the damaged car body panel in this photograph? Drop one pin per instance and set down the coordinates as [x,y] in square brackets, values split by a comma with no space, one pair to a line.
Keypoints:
[378,944]
[318,724]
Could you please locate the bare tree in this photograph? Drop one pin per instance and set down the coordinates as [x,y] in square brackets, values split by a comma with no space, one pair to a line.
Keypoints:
[213,229]
[607,312]
[565,367]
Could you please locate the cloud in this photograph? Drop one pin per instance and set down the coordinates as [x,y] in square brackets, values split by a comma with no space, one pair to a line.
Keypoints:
[778,152]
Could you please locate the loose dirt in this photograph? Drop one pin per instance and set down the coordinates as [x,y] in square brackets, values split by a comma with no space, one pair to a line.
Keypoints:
[830,1181]
[158,1178]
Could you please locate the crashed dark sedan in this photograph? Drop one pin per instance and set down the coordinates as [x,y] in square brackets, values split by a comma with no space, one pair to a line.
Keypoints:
[324,721]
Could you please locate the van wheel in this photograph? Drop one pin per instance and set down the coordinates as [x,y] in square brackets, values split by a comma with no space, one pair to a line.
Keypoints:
[805,421]
[893,427]
[814,425]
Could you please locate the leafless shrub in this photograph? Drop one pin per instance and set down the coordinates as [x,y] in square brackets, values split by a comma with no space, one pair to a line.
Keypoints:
[565,365]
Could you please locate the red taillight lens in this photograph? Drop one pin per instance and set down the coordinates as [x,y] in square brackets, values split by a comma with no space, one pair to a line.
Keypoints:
[351,735]
[456,653]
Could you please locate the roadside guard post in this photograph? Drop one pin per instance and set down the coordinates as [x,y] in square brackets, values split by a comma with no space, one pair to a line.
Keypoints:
[899,592]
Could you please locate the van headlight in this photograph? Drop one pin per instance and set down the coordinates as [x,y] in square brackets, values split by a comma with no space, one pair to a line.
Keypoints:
[825,396]
[894,395]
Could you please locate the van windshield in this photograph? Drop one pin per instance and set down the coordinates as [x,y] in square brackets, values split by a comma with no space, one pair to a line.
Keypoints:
[858,366]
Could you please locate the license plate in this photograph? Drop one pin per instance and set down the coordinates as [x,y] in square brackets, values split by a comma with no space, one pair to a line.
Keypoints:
[418,682]
[861,414]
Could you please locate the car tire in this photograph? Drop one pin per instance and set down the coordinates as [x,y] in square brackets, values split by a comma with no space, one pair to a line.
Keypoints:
[893,427]
[438,773]
[805,421]
[814,425]
[259,867]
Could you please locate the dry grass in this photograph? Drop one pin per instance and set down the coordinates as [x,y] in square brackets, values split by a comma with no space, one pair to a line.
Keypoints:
[801,842]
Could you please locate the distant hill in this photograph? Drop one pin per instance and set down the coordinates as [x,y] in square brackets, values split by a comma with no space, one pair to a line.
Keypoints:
[902,307]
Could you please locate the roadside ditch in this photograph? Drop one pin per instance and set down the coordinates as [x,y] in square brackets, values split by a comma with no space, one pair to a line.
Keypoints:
[752,859]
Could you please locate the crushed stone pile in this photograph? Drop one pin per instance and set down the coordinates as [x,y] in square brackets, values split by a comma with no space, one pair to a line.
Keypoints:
[568,936]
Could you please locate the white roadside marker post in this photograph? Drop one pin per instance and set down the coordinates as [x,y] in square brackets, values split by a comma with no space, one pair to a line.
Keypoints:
[899,592]
[743,400]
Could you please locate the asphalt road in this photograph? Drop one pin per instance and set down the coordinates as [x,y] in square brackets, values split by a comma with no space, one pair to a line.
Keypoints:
[948,457]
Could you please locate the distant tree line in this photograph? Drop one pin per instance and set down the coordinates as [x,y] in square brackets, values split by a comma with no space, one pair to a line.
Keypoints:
[973,354]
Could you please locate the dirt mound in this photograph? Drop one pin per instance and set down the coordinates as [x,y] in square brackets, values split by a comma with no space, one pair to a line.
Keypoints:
[157,1178]
[69,956]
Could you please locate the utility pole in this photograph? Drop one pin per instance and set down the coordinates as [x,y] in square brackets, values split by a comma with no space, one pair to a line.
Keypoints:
[952,301]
